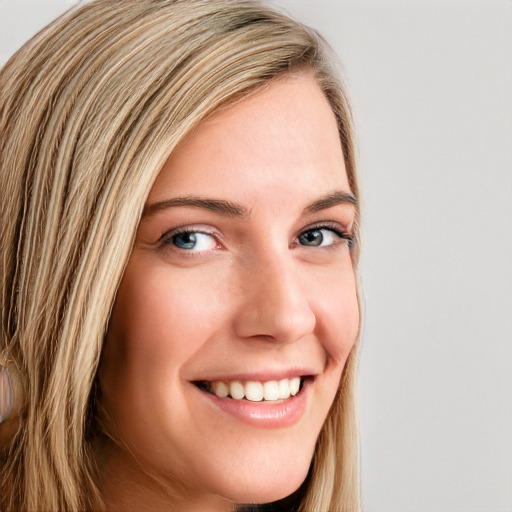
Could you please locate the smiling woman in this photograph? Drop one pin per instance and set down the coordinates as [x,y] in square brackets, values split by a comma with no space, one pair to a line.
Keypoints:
[179,253]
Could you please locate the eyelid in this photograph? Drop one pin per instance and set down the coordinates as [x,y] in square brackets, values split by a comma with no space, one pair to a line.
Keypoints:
[328,224]
[338,228]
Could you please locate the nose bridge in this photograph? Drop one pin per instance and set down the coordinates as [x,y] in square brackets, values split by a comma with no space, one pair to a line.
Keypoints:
[275,305]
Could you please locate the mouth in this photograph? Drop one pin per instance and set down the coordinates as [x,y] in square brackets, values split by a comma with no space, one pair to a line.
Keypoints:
[254,390]
[273,403]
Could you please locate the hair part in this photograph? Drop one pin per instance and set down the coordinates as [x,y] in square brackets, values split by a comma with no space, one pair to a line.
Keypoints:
[90,110]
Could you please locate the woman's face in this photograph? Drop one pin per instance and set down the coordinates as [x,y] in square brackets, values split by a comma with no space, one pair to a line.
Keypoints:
[240,284]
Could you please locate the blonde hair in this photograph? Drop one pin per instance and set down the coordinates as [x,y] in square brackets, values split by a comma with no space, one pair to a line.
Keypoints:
[90,110]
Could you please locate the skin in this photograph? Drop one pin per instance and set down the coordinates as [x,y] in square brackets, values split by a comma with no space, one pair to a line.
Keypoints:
[250,296]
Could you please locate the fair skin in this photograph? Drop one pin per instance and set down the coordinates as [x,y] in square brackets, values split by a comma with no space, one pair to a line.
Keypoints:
[261,288]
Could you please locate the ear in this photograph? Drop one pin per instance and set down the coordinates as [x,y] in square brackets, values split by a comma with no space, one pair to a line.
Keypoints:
[8,413]
[6,393]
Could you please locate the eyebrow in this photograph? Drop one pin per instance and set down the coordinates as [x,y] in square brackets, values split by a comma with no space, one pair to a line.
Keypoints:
[233,209]
[221,206]
[330,200]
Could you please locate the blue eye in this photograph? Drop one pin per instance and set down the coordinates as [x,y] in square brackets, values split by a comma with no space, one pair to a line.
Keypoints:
[193,241]
[322,237]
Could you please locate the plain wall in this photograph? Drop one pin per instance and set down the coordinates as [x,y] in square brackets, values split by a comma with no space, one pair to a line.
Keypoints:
[432,91]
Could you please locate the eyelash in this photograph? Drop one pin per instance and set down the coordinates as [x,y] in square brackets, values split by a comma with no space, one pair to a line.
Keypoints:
[167,238]
[334,227]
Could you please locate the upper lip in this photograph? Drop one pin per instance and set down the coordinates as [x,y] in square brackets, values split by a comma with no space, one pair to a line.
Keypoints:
[261,375]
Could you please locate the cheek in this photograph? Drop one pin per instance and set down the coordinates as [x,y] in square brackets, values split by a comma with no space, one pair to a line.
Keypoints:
[157,325]
[161,314]
[159,322]
[338,314]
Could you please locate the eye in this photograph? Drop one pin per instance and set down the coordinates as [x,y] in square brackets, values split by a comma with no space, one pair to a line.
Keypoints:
[323,236]
[190,240]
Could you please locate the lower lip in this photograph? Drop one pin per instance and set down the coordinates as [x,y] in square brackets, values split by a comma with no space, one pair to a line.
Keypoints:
[278,414]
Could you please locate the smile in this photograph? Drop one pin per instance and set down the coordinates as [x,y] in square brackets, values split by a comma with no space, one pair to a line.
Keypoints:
[252,390]
[273,403]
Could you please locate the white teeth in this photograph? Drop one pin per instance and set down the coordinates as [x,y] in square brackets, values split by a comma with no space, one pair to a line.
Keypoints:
[284,388]
[294,385]
[271,390]
[220,389]
[256,391]
[236,390]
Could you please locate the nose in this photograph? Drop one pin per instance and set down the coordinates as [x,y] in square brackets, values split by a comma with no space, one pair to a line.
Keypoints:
[275,305]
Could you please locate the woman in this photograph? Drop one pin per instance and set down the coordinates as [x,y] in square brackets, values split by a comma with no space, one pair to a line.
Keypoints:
[179,246]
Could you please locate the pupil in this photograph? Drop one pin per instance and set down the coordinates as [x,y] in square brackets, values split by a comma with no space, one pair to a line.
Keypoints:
[185,240]
[312,238]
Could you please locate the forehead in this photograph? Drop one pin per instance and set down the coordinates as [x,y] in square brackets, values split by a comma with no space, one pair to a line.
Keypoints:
[282,139]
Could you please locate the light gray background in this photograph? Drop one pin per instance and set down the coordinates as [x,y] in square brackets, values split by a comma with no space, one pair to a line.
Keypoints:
[432,90]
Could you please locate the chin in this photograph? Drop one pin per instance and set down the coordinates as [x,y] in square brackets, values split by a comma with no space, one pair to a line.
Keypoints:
[267,494]
[268,485]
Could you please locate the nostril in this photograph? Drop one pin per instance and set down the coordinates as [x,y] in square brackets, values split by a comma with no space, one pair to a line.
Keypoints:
[276,303]
[278,319]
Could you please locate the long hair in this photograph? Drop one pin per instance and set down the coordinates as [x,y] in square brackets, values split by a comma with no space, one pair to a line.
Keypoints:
[90,110]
